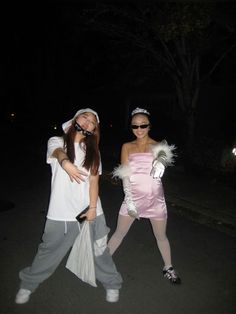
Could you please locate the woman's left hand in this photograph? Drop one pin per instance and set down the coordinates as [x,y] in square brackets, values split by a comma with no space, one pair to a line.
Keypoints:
[91,214]
[157,169]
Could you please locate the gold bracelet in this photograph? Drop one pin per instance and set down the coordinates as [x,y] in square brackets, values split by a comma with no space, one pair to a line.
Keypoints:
[63,159]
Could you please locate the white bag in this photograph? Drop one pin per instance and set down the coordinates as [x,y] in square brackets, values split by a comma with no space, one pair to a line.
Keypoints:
[81,258]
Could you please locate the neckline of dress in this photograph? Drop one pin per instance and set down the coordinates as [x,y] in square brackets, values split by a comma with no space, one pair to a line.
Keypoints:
[141,153]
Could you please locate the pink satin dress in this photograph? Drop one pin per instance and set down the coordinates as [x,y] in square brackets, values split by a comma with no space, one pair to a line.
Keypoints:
[147,192]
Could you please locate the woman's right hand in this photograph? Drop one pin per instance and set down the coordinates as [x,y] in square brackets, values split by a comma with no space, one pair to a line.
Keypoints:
[74,172]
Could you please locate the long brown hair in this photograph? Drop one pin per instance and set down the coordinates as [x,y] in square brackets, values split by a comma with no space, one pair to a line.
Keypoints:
[89,143]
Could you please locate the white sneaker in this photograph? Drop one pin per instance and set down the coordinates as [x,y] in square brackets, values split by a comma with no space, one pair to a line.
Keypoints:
[112,295]
[22,296]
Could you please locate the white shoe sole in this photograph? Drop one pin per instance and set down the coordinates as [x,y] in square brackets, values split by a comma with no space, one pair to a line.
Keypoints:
[22,296]
[112,296]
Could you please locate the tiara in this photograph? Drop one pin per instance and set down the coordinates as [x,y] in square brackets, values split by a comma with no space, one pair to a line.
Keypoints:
[140,110]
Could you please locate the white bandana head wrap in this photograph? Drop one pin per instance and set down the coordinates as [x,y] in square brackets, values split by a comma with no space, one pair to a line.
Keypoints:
[67,124]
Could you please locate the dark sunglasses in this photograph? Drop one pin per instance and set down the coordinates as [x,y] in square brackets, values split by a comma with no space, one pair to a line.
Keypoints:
[142,126]
[80,129]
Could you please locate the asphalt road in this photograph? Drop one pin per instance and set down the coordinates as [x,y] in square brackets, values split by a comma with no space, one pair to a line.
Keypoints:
[204,257]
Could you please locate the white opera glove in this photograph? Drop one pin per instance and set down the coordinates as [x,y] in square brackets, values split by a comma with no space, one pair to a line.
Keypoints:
[164,156]
[132,210]
[123,172]
[157,169]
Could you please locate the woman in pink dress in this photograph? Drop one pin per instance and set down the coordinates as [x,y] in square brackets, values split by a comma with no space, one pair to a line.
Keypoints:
[143,162]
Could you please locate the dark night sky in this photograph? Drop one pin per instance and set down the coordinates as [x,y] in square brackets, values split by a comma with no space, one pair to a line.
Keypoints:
[49,61]
[50,68]
[47,64]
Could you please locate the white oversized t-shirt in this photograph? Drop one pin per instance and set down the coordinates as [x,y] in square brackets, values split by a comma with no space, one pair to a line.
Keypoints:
[67,198]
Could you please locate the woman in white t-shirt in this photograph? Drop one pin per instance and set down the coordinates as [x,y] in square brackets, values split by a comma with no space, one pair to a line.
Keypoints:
[76,166]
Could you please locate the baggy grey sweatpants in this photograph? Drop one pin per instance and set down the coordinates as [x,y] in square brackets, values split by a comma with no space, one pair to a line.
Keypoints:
[57,239]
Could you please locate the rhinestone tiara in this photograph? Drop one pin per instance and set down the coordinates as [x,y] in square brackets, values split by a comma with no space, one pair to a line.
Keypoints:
[139,110]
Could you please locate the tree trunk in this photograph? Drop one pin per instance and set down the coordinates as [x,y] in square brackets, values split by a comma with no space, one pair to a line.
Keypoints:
[190,139]
[187,102]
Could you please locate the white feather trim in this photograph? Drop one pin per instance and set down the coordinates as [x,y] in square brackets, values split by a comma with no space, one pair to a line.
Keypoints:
[167,149]
[121,171]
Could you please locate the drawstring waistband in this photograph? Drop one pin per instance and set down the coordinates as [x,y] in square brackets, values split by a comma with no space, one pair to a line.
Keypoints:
[65,231]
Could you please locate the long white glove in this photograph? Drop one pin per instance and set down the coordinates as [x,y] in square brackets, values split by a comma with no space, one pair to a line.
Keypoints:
[132,210]
[157,169]
[164,156]
[123,172]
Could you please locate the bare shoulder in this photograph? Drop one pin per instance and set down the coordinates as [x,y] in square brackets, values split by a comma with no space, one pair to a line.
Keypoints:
[126,150]
[127,145]
[153,142]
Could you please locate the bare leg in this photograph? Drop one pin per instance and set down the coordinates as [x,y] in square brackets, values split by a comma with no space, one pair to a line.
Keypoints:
[159,230]
[123,225]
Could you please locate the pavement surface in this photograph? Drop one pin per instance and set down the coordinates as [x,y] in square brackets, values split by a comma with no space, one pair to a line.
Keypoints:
[209,200]
[201,231]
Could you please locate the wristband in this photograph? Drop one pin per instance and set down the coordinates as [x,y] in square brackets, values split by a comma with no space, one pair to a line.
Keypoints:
[63,159]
